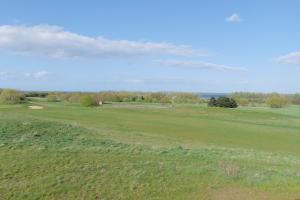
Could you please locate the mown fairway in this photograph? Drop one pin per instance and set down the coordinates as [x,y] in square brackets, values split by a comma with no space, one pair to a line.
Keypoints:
[148,151]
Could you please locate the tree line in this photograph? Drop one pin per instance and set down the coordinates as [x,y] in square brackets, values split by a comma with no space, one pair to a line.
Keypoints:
[273,100]
[98,98]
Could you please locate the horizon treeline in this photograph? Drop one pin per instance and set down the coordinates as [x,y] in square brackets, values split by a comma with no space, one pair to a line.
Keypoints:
[123,96]
[255,98]
[242,98]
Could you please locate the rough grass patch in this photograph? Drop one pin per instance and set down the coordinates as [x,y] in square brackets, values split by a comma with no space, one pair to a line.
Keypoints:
[228,168]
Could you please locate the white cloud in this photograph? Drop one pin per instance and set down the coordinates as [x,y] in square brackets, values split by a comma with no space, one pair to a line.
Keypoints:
[20,75]
[37,75]
[198,65]
[291,58]
[55,42]
[3,75]
[234,18]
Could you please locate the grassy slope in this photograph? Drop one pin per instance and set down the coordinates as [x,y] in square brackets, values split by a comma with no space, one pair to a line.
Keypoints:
[242,128]
[41,156]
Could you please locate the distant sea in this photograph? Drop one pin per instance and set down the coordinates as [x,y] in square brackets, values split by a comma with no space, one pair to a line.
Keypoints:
[210,95]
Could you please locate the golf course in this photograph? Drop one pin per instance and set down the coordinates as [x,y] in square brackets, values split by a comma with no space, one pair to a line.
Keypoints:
[149,100]
[62,150]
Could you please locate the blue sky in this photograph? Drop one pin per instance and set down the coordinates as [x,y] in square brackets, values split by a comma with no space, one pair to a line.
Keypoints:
[199,46]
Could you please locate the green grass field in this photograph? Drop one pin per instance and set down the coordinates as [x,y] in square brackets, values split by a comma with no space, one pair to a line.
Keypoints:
[148,151]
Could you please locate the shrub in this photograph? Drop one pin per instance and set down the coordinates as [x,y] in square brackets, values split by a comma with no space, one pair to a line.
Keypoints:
[246,98]
[157,97]
[224,102]
[165,99]
[184,97]
[243,101]
[36,94]
[52,97]
[212,102]
[277,101]
[10,96]
[64,96]
[295,99]
[87,101]
[75,97]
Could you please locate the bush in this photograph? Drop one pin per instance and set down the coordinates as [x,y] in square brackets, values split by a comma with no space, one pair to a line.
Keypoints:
[75,97]
[223,102]
[36,94]
[63,96]
[185,97]
[87,101]
[10,96]
[244,102]
[226,102]
[212,102]
[247,98]
[157,97]
[52,97]
[277,101]
[295,99]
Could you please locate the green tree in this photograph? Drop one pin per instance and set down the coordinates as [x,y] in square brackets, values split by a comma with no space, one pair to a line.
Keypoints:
[224,102]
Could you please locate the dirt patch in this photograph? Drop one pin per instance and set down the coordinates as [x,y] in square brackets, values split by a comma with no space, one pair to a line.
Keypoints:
[35,107]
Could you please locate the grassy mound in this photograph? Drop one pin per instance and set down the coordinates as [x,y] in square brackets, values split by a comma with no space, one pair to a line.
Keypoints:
[41,159]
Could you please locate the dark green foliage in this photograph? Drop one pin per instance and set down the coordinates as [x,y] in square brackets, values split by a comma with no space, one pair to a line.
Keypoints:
[212,102]
[224,102]
[36,94]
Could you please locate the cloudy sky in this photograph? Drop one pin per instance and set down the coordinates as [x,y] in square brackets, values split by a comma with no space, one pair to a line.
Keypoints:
[200,46]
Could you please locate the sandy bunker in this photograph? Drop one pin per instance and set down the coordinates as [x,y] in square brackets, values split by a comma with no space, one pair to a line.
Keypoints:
[36,107]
